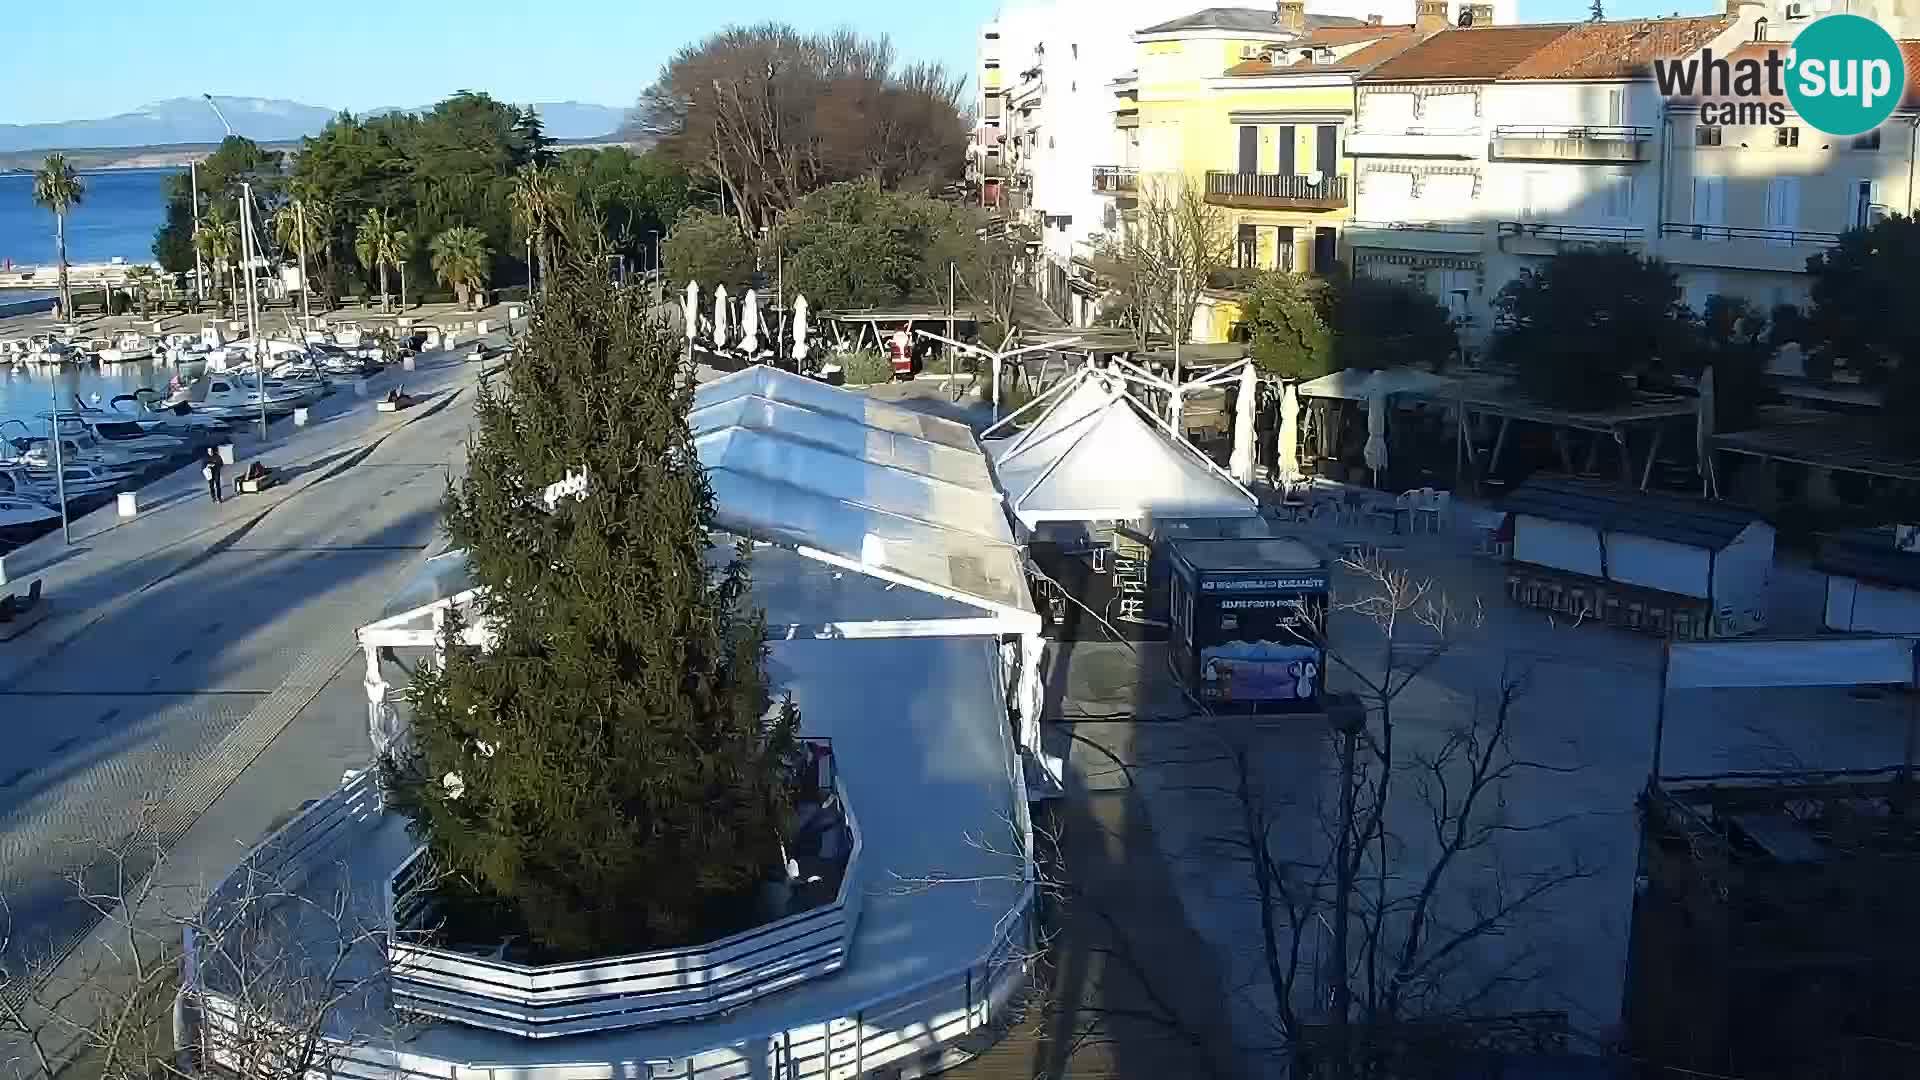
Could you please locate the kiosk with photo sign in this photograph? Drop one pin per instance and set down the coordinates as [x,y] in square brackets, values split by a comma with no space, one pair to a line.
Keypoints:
[1246,617]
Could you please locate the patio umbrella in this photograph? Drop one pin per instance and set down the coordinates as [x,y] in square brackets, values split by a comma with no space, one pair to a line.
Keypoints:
[691,311]
[750,323]
[719,315]
[800,328]
[1241,463]
[1289,456]
[1376,449]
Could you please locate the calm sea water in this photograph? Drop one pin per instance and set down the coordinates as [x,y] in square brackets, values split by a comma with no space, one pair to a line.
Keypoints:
[116,219]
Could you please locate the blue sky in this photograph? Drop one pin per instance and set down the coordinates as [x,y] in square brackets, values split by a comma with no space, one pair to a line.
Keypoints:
[89,58]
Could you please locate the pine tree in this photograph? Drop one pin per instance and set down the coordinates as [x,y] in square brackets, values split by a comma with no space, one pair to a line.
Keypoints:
[1597,13]
[608,775]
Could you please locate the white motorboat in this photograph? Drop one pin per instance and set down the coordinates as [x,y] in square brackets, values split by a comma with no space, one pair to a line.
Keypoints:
[81,448]
[23,517]
[123,434]
[235,397]
[128,348]
[145,408]
[20,478]
[48,350]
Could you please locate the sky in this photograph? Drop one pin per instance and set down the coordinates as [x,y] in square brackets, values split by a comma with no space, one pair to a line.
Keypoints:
[94,58]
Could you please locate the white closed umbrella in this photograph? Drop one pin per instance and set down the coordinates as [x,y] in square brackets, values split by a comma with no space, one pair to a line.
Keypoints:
[690,312]
[1703,431]
[719,316]
[1376,450]
[1241,463]
[1289,456]
[800,328]
[750,323]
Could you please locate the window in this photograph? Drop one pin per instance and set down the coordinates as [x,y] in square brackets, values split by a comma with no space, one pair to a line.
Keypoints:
[1075,47]
[1860,205]
[1533,193]
[1249,148]
[1783,208]
[1867,141]
[1786,136]
[1326,149]
[1706,136]
[1709,206]
[1616,107]
[1247,248]
[1617,192]
[1286,145]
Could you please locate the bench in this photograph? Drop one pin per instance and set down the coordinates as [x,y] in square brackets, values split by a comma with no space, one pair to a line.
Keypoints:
[20,613]
[255,480]
[395,401]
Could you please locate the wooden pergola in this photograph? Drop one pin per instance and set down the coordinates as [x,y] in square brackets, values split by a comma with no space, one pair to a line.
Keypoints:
[1839,442]
[1492,400]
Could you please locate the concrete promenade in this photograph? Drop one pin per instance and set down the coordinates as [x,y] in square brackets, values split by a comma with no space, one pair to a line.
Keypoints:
[196,678]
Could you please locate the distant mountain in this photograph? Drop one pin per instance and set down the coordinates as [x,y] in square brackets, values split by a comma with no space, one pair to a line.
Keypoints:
[176,120]
[188,120]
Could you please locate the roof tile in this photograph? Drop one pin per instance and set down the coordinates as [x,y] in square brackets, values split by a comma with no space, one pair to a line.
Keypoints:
[1377,43]
[1479,52]
[1620,50]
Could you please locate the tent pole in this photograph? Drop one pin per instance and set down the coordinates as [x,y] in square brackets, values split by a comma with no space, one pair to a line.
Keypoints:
[1660,713]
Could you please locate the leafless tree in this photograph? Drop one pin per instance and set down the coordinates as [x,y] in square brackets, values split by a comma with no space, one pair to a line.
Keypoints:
[1167,250]
[269,970]
[770,114]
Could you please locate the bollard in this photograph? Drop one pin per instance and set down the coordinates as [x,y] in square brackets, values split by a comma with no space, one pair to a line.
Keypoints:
[406,363]
[453,336]
[226,454]
[3,569]
[513,312]
[359,388]
[300,417]
[482,327]
[129,504]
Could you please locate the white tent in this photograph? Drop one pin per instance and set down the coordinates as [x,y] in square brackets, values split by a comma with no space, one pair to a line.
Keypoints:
[1095,454]
[1359,384]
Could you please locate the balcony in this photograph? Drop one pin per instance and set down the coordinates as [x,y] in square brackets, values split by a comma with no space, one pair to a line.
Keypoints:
[1601,145]
[1116,179]
[1418,142]
[1739,248]
[1547,238]
[1273,191]
[1451,237]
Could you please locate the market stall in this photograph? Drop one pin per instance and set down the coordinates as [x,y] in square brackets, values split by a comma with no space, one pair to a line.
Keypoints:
[1873,579]
[1656,563]
[1248,617]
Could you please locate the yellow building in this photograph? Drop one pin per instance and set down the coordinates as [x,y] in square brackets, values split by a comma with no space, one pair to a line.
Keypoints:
[1252,110]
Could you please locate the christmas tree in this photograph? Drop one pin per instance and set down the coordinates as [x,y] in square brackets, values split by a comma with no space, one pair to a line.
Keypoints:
[608,775]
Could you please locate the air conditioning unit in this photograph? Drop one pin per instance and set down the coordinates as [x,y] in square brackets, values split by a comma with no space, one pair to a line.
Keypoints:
[1796,10]
[1906,538]
[1249,52]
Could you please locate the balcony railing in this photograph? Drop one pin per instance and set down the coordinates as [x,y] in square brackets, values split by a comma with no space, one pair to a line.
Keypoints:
[1724,233]
[1577,143]
[1260,191]
[1593,234]
[1451,228]
[1113,179]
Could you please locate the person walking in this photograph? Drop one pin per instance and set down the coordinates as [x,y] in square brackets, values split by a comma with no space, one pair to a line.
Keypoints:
[211,470]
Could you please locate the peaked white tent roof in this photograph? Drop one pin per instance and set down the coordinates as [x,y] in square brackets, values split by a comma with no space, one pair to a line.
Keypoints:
[1360,384]
[1095,455]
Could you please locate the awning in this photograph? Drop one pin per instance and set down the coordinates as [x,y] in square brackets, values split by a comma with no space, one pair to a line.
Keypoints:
[1359,384]
[1095,455]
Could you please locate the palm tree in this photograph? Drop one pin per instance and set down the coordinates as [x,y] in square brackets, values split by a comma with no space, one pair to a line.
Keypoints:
[461,258]
[58,188]
[536,201]
[220,245]
[301,229]
[375,244]
[143,280]
[402,253]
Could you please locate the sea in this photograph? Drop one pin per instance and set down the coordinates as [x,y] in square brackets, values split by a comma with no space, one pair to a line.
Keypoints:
[117,218]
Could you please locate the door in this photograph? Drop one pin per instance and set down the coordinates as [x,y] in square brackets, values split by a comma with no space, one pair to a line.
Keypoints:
[1326,250]
[1286,166]
[1326,149]
[1247,248]
[1783,209]
[1249,148]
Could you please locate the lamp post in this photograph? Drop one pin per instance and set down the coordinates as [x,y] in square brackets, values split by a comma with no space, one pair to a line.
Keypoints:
[199,268]
[253,310]
[59,471]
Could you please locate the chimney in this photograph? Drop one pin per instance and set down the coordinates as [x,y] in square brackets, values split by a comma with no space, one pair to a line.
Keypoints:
[1376,20]
[1292,16]
[1429,16]
[1482,14]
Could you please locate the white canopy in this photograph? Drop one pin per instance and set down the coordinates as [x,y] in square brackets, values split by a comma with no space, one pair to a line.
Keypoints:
[1359,384]
[1097,455]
